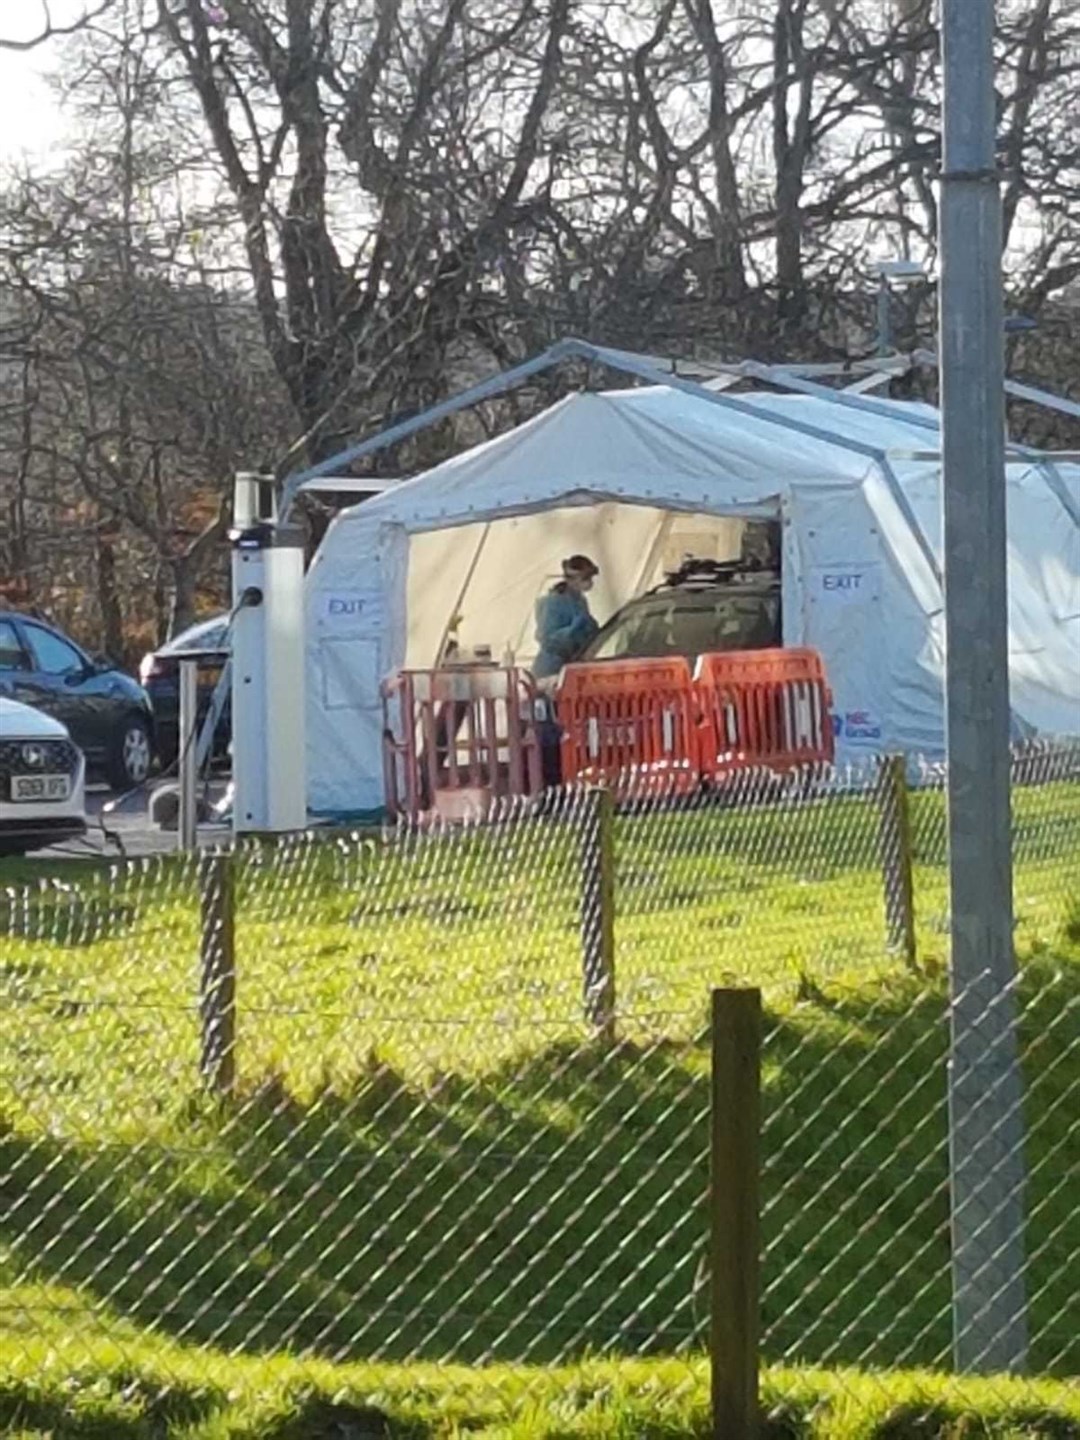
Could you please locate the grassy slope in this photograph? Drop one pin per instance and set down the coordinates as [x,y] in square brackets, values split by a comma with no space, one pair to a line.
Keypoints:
[430,1161]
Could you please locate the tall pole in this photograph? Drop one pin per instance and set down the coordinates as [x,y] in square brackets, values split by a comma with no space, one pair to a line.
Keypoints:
[188,698]
[986,1162]
[884,316]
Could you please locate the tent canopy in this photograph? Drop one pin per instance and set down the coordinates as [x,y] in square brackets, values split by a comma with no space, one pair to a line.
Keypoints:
[633,475]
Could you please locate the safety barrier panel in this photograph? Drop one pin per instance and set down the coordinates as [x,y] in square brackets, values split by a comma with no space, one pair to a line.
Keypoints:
[628,722]
[635,722]
[455,739]
[763,707]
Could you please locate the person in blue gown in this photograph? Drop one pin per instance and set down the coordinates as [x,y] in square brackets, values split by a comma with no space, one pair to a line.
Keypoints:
[564,624]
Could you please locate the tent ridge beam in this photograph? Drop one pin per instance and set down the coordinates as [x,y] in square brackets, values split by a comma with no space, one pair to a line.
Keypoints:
[1036,394]
[497,384]
[569,348]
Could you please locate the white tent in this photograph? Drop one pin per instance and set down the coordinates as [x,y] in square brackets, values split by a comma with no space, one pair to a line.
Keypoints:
[636,477]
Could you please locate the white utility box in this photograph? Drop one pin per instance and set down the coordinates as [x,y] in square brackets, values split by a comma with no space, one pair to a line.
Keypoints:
[268,679]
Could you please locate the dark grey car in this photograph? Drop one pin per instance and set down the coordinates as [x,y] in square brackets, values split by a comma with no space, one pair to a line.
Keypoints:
[704,608]
[107,713]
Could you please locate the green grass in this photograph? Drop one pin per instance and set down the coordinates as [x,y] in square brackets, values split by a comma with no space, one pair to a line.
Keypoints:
[142,1391]
[431,1164]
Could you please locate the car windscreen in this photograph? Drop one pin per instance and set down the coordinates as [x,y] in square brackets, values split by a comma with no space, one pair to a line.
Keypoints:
[690,625]
[208,635]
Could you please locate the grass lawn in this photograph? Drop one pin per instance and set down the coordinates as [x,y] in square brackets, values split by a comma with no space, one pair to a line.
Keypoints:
[430,1162]
[138,1390]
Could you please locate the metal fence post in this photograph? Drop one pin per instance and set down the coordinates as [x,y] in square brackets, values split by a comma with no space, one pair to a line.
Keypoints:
[217,974]
[896,857]
[598,911]
[735,1246]
[186,831]
[986,1125]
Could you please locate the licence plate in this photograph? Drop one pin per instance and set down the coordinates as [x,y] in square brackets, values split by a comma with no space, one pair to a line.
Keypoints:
[40,787]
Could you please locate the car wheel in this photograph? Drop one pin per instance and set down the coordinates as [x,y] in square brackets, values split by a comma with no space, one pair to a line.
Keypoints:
[132,754]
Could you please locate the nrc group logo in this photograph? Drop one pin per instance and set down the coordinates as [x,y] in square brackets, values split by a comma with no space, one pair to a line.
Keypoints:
[856,725]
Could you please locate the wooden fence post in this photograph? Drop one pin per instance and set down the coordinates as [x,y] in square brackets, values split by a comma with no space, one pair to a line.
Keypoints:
[896,858]
[217,974]
[598,911]
[735,1246]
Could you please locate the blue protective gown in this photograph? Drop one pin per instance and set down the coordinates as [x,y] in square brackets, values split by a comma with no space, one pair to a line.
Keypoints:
[563,629]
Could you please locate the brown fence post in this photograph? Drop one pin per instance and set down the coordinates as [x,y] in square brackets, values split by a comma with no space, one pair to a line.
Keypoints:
[598,911]
[896,858]
[217,974]
[735,1259]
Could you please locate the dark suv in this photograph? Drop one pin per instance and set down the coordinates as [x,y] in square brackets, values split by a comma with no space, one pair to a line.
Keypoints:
[704,607]
[107,713]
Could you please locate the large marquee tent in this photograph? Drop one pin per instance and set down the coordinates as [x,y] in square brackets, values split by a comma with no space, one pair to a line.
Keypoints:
[638,476]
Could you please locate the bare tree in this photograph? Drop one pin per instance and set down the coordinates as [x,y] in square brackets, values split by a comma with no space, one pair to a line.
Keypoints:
[47,29]
[376,199]
[146,379]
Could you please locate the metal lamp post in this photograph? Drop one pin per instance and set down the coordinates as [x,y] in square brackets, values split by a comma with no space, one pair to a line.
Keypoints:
[987,1173]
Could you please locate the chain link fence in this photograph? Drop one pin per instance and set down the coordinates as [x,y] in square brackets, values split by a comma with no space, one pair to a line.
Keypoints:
[443,1096]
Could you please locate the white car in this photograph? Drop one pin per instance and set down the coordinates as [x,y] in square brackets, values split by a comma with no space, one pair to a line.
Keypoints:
[42,781]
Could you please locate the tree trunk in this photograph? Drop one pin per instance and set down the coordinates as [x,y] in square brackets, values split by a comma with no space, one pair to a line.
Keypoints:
[17,580]
[112,615]
[789,262]
[185,586]
[162,608]
[788,160]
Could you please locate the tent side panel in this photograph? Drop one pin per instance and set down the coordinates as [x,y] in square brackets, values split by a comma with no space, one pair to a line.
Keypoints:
[1044,608]
[858,610]
[356,628]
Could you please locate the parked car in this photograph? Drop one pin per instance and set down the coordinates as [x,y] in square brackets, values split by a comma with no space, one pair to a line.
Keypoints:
[106,712]
[42,781]
[705,607]
[160,674]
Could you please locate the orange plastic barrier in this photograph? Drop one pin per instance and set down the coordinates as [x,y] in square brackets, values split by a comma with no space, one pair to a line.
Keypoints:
[455,739]
[763,707]
[630,723]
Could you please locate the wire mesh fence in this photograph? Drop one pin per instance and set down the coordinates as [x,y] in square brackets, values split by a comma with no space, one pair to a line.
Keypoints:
[442,1096]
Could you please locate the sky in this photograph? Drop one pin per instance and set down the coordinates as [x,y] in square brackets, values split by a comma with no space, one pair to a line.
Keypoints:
[32,123]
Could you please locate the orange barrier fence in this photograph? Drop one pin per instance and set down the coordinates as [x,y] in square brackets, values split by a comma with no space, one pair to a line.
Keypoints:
[630,720]
[638,721]
[454,739]
[763,707]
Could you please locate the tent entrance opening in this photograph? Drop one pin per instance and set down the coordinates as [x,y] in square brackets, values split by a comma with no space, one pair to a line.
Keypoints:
[473,590]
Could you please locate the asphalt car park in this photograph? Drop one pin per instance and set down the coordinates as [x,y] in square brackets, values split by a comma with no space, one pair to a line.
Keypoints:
[118,828]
